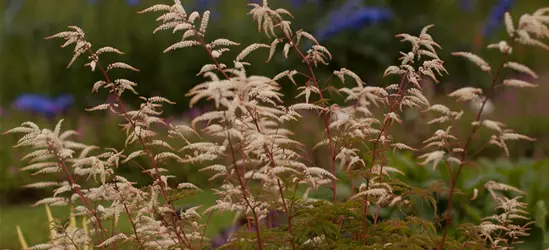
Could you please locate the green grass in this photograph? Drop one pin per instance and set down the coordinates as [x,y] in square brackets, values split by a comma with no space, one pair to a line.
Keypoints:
[34,224]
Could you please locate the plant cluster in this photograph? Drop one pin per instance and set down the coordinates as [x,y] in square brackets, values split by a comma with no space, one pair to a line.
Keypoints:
[266,176]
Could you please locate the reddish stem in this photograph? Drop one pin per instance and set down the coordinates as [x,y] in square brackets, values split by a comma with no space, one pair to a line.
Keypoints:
[145,147]
[326,113]
[133,225]
[97,225]
[243,188]
[383,130]
[453,180]
[242,182]
[205,227]
[280,189]
[377,214]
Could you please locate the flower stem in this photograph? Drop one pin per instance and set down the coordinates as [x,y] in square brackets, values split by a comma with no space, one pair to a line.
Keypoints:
[453,179]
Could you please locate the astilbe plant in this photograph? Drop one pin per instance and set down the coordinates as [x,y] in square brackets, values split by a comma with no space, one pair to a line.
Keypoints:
[246,142]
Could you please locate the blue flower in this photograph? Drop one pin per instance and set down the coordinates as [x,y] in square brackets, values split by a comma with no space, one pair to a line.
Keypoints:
[211,5]
[43,105]
[63,102]
[206,4]
[294,3]
[129,2]
[203,5]
[133,2]
[299,3]
[467,5]
[351,16]
[12,9]
[496,16]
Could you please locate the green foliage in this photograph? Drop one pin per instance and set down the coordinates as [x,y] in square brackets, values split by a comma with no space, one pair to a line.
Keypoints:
[30,65]
[528,175]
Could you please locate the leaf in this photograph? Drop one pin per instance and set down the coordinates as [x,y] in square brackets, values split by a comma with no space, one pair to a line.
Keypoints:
[472,212]
[53,232]
[21,238]
[322,101]
[541,215]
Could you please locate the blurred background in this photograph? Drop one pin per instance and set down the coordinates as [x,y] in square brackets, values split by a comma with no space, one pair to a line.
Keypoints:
[35,83]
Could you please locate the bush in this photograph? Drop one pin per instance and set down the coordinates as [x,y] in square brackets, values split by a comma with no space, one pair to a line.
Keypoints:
[248,144]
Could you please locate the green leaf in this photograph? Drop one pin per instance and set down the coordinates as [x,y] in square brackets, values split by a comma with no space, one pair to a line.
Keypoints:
[473,212]
[541,214]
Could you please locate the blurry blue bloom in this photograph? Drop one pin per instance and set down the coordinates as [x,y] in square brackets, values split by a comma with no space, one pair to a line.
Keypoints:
[206,4]
[12,9]
[299,3]
[42,105]
[133,2]
[295,3]
[211,5]
[63,102]
[467,5]
[129,2]
[35,104]
[203,5]
[351,16]
[496,16]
